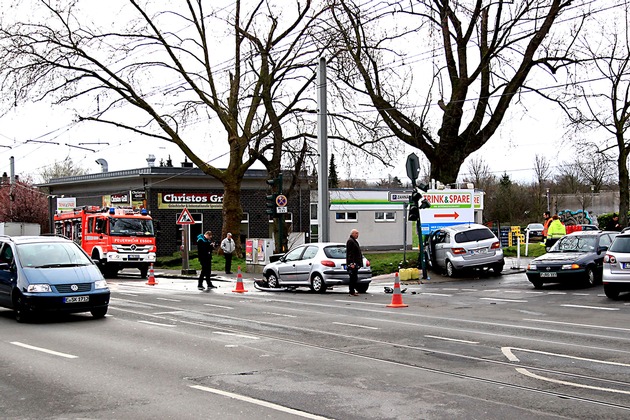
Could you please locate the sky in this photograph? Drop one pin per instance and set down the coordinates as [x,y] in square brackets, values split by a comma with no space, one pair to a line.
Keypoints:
[38,135]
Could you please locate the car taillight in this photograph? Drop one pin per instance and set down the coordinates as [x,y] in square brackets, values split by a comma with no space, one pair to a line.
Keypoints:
[610,259]
[496,245]
[328,263]
[367,263]
[458,251]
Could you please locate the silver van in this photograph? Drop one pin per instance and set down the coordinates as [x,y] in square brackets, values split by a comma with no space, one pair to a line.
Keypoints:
[461,247]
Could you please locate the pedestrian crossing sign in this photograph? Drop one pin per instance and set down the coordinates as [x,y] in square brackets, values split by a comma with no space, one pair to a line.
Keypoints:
[185,218]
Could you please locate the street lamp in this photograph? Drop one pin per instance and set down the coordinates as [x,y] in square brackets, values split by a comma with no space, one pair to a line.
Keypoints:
[547,199]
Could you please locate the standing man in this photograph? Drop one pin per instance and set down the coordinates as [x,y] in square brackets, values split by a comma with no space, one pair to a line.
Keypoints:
[354,261]
[228,246]
[205,246]
[613,223]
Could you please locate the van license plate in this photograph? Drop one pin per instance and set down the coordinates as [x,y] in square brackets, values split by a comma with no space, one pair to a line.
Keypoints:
[76,299]
[548,274]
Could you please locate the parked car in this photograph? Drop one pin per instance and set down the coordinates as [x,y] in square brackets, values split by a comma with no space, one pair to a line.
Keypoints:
[616,275]
[315,265]
[466,246]
[576,258]
[535,231]
[49,274]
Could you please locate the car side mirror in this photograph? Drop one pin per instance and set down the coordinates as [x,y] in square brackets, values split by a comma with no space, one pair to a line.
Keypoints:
[4,266]
[602,249]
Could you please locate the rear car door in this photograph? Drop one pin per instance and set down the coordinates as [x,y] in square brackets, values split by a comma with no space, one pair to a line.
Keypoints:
[304,265]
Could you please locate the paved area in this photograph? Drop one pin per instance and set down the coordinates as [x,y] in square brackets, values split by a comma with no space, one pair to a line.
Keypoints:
[166,278]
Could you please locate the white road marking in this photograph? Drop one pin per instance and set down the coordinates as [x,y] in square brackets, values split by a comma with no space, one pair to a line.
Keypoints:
[236,335]
[157,323]
[580,294]
[43,350]
[361,303]
[505,300]
[259,402]
[450,288]
[599,327]
[513,291]
[602,308]
[355,325]
[169,300]
[218,306]
[284,315]
[127,294]
[535,293]
[507,351]
[434,294]
[556,293]
[168,313]
[470,290]
[451,339]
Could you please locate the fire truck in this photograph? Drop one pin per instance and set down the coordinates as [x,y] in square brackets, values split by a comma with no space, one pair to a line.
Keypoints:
[115,238]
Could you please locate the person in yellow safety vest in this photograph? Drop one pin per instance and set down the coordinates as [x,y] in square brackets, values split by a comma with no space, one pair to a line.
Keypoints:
[556,231]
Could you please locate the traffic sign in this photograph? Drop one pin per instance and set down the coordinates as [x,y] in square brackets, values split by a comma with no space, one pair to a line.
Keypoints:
[282,210]
[448,207]
[399,197]
[413,165]
[281,201]
[185,218]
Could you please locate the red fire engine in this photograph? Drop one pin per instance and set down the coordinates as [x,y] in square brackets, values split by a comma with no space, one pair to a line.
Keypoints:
[116,238]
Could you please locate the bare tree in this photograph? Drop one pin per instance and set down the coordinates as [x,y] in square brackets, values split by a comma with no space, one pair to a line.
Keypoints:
[605,105]
[486,54]
[66,167]
[158,75]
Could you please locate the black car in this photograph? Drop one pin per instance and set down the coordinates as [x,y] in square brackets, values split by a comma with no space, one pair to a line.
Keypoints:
[576,258]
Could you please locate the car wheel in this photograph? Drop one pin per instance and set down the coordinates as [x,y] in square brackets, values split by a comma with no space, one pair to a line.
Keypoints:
[317,284]
[451,271]
[272,280]
[537,284]
[497,268]
[611,292]
[98,313]
[22,314]
[362,287]
[591,279]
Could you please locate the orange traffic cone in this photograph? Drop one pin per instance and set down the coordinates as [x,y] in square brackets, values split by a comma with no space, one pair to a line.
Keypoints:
[151,281]
[239,282]
[397,297]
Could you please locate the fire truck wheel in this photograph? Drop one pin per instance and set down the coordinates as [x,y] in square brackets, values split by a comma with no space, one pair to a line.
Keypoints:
[144,270]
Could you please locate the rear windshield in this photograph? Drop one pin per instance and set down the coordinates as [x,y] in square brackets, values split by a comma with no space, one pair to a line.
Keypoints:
[473,235]
[621,244]
[335,251]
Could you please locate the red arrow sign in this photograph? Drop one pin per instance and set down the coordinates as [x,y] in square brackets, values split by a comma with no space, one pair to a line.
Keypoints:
[454,215]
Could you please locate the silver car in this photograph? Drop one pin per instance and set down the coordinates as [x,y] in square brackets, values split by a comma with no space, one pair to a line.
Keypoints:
[460,247]
[616,274]
[316,265]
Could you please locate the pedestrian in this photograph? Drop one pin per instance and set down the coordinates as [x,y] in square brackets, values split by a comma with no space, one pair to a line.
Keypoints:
[228,246]
[546,222]
[205,247]
[613,223]
[556,231]
[354,261]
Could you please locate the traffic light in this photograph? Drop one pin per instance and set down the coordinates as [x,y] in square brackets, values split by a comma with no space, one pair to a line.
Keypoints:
[271,204]
[416,203]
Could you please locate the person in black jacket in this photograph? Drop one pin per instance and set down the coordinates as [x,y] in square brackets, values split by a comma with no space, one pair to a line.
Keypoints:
[205,246]
[354,260]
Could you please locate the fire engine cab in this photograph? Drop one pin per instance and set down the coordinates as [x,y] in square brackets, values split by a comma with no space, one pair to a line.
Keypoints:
[115,238]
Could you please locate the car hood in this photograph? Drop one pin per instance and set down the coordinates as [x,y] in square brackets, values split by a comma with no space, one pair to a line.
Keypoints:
[563,257]
[63,275]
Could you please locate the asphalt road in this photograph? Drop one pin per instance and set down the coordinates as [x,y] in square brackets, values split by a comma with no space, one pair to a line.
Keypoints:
[473,348]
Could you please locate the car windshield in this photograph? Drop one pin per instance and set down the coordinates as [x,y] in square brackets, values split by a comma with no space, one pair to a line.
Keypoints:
[335,252]
[575,243]
[51,254]
[535,226]
[130,227]
[621,244]
[473,235]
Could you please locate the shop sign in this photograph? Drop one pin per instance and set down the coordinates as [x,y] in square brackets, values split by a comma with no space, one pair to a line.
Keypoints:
[190,200]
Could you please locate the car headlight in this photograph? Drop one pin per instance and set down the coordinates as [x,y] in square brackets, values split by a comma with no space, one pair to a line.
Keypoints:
[570,266]
[532,267]
[100,284]
[38,288]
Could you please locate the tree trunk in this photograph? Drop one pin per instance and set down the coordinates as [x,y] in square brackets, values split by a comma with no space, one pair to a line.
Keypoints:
[624,184]
[232,212]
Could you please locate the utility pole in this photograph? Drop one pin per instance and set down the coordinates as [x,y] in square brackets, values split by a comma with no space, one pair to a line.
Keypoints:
[323,200]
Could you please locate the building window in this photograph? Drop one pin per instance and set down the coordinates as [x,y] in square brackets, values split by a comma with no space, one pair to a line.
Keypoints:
[385,216]
[313,211]
[348,216]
